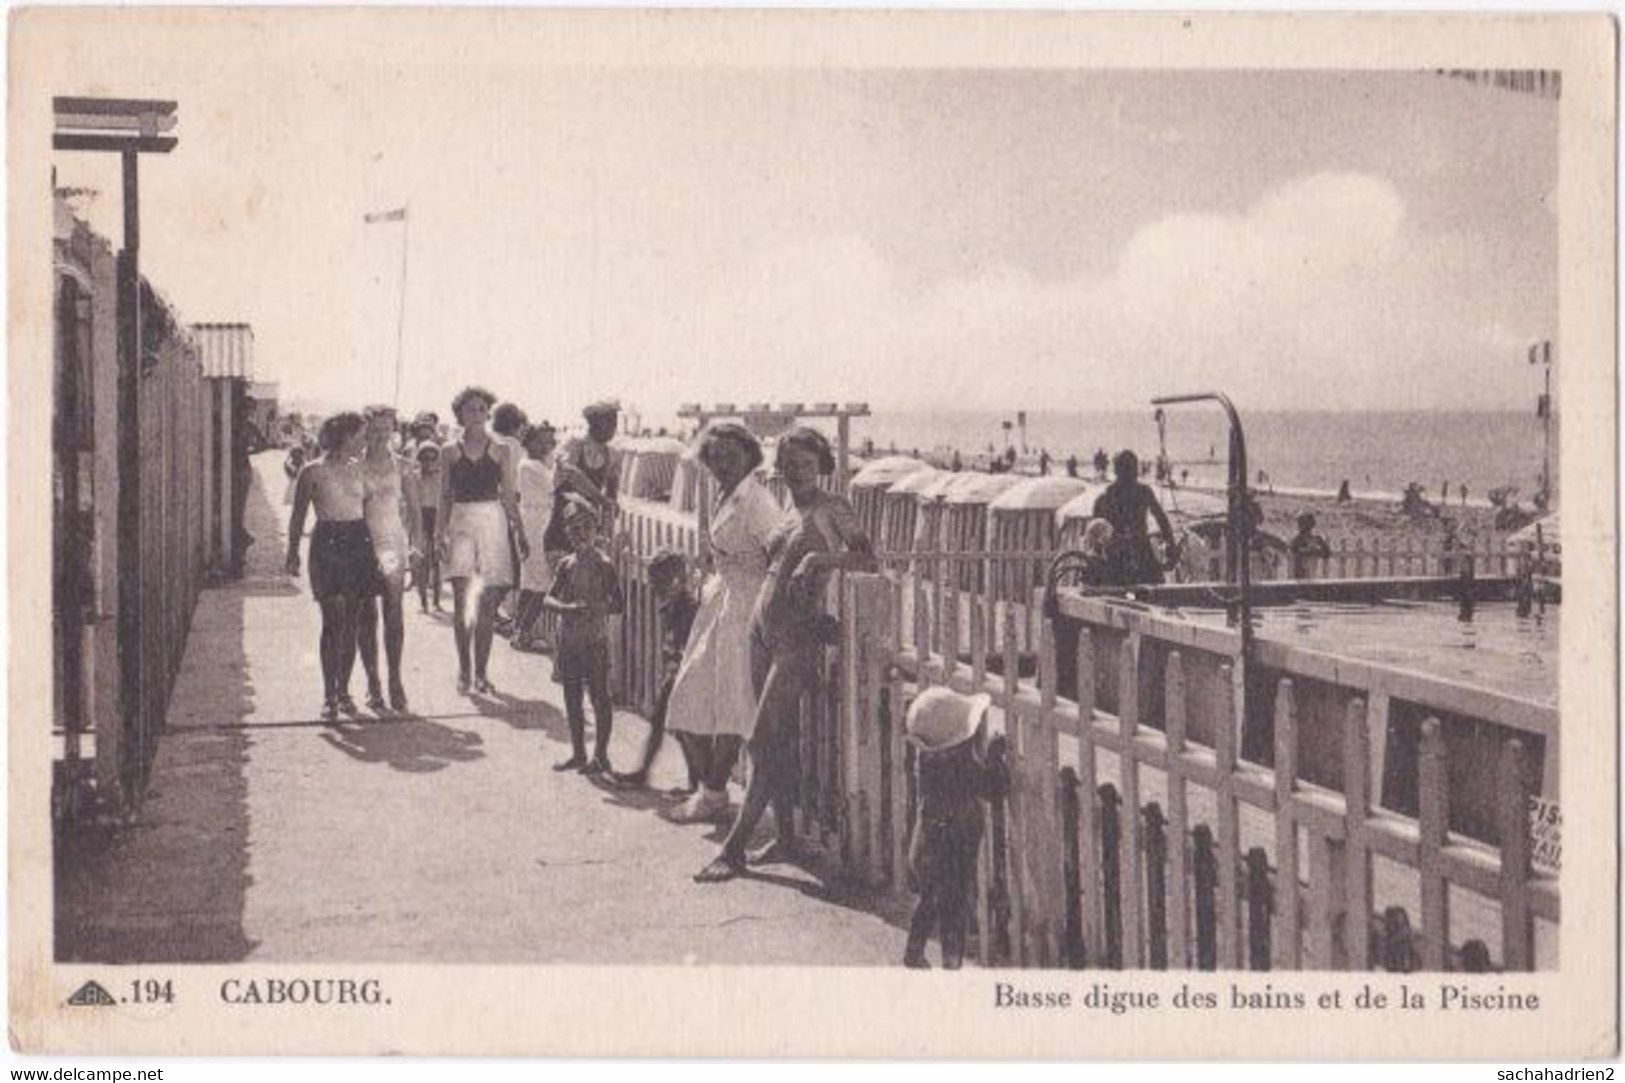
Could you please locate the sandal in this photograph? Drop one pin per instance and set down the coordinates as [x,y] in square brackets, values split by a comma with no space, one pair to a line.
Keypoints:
[346,704]
[397,697]
[330,709]
[463,684]
[375,699]
[483,685]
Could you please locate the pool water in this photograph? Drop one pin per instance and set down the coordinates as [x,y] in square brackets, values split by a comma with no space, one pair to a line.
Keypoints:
[1494,649]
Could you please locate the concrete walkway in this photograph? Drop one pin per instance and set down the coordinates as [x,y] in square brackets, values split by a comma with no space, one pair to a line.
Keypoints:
[437,836]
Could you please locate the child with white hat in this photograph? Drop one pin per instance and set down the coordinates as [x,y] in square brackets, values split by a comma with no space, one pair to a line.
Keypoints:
[953,781]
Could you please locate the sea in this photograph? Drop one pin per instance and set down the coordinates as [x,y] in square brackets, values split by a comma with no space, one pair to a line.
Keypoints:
[1312,450]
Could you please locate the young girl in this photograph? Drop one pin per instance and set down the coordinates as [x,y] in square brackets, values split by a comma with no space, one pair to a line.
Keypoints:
[535,510]
[428,572]
[343,565]
[586,592]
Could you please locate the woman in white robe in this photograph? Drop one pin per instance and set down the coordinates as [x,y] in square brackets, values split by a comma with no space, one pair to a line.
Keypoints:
[713,701]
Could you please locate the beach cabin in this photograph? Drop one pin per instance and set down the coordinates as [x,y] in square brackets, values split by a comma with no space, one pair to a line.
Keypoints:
[900,510]
[870,483]
[965,517]
[649,466]
[1022,519]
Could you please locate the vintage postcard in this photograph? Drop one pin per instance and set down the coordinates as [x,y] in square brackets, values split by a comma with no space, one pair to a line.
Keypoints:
[678,533]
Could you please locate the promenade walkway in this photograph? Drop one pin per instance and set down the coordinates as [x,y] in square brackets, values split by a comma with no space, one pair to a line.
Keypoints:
[437,836]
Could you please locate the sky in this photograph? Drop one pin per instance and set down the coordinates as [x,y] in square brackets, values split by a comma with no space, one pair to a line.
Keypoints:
[928,238]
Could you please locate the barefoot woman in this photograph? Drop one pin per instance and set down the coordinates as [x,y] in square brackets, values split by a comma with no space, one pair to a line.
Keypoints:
[479,505]
[392,518]
[343,567]
[818,534]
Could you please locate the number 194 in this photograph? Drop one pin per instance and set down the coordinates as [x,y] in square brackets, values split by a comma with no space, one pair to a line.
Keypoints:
[152,991]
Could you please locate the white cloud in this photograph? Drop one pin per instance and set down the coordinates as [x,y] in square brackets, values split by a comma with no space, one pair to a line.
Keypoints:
[1317,295]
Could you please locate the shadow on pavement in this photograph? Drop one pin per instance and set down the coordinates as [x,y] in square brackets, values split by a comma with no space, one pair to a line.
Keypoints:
[170,885]
[409,743]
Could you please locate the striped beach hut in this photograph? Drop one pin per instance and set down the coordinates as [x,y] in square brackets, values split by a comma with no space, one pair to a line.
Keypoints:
[965,516]
[1023,519]
[649,467]
[900,510]
[869,485]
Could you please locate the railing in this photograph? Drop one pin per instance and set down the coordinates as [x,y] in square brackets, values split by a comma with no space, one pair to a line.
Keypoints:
[1128,844]
[1169,806]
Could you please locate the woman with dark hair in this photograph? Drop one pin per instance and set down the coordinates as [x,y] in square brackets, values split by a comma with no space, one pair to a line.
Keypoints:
[788,631]
[393,520]
[343,566]
[713,700]
[479,507]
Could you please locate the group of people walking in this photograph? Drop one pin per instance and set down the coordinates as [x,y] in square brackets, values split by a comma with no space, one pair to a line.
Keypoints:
[497,509]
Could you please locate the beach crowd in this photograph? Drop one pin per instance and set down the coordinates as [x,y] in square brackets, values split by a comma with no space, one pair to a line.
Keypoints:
[519,524]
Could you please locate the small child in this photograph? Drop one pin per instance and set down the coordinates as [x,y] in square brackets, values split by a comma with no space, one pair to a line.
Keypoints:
[585,592]
[952,783]
[668,578]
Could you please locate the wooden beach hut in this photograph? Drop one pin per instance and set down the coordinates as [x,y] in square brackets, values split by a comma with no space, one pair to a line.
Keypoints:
[964,528]
[1022,519]
[871,482]
[900,510]
[649,467]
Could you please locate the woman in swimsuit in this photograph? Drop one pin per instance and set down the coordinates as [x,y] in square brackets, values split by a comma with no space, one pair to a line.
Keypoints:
[818,534]
[391,500]
[479,507]
[343,565]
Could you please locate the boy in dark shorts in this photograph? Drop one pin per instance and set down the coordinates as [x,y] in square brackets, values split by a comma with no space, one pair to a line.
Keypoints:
[668,578]
[586,592]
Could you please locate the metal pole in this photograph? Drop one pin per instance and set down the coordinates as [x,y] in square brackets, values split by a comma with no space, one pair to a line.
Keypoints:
[1546,448]
[843,437]
[400,317]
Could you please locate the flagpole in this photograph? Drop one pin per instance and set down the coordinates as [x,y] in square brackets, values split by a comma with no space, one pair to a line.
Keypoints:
[400,318]
[1546,422]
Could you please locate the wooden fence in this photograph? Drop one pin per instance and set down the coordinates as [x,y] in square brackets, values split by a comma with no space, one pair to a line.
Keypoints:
[1153,821]
[113,676]
[1179,852]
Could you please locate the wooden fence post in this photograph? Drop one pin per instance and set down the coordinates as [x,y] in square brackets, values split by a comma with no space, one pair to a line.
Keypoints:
[1288,945]
[1090,859]
[1229,856]
[1156,887]
[1517,924]
[1073,953]
[1178,876]
[1258,909]
[1207,873]
[864,665]
[1111,878]
[1356,859]
[1133,877]
[1433,803]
